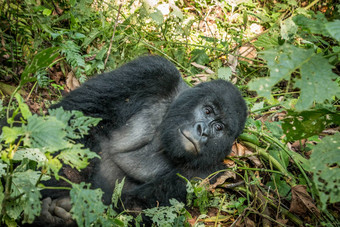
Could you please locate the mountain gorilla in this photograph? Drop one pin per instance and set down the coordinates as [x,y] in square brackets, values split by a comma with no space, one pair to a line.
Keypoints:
[153,127]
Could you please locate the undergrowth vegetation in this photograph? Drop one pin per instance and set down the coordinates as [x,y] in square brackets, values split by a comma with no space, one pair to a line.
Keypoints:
[284,56]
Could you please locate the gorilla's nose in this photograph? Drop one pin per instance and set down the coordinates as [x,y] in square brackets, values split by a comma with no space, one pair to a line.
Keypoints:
[202,129]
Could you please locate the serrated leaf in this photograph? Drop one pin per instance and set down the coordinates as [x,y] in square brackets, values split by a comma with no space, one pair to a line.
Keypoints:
[11,134]
[25,111]
[47,133]
[282,62]
[325,162]
[301,125]
[76,156]
[224,73]
[316,82]
[33,154]
[76,123]
[29,202]
[334,29]
[87,207]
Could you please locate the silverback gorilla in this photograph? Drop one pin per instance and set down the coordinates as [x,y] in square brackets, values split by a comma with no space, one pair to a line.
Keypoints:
[153,127]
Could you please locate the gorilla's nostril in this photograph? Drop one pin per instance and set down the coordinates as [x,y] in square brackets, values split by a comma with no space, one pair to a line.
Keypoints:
[199,129]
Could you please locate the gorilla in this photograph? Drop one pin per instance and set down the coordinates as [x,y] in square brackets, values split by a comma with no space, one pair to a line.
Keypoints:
[153,127]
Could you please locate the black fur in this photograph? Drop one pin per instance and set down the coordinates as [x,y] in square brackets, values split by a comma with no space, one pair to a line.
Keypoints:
[154,126]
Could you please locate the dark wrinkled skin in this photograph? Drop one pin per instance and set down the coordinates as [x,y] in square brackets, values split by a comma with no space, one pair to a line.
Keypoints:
[153,127]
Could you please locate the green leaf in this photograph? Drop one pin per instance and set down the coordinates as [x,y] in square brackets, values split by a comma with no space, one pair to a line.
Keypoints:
[199,56]
[301,125]
[267,41]
[11,134]
[157,16]
[166,216]
[47,12]
[87,208]
[24,182]
[325,162]
[41,60]
[25,111]
[316,82]
[76,156]
[46,132]
[334,29]
[75,122]
[288,29]
[117,192]
[33,154]
[315,24]
[224,73]
[176,11]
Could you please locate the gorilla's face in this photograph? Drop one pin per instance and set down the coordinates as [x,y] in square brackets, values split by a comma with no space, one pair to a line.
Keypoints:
[202,123]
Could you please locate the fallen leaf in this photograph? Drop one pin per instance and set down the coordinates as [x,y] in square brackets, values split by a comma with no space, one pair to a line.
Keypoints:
[221,179]
[302,202]
[71,81]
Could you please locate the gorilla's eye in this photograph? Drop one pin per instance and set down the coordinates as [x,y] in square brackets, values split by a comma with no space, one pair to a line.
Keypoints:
[218,127]
[208,110]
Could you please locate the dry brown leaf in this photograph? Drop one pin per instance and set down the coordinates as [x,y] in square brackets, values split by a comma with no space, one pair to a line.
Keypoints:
[302,202]
[205,68]
[246,222]
[71,81]
[240,150]
[249,52]
[221,179]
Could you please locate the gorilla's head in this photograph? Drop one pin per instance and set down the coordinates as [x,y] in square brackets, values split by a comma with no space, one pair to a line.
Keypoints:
[202,123]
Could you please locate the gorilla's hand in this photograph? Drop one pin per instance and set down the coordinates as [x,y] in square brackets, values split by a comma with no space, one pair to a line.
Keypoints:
[56,212]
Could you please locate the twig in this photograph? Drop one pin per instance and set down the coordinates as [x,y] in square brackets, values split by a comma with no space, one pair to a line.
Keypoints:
[113,35]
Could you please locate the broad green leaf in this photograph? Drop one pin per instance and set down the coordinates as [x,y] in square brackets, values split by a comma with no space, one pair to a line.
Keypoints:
[33,154]
[41,60]
[157,16]
[87,208]
[334,29]
[325,162]
[288,29]
[316,82]
[11,134]
[25,111]
[76,156]
[301,125]
[224,73]
[315,25]
[29,202]
[282,62]
[46,132]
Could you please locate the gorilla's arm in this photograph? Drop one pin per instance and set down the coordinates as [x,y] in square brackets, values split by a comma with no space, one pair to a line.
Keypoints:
[116,96]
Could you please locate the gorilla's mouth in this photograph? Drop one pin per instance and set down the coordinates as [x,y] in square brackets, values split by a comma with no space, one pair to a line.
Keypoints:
[189,143]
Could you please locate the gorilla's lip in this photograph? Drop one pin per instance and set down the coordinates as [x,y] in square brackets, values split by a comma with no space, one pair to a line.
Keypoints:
[190,140]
